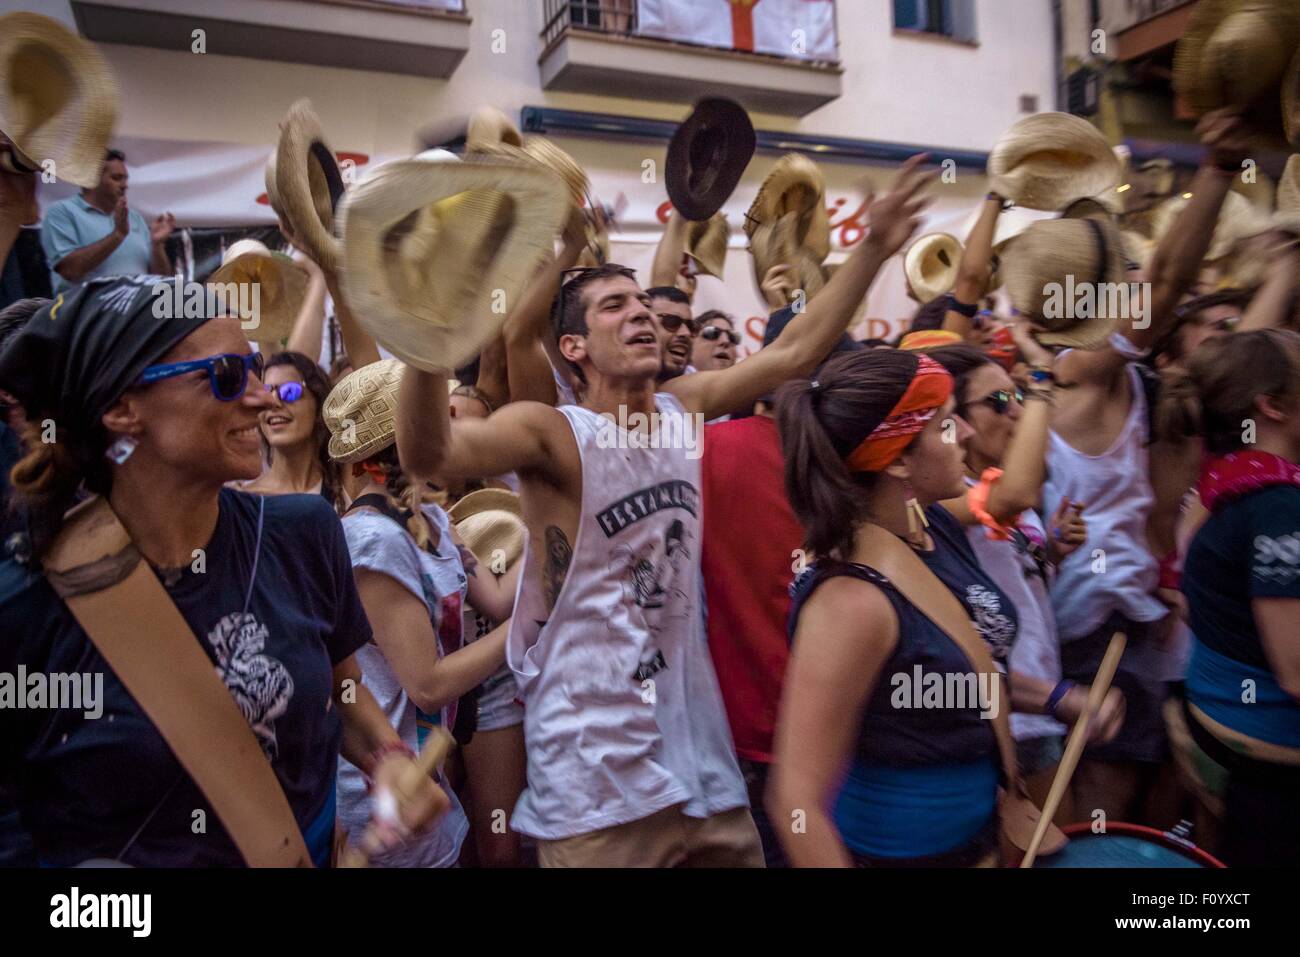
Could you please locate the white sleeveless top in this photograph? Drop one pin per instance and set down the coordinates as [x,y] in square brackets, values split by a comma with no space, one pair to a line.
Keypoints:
[622,712]
[1117,490]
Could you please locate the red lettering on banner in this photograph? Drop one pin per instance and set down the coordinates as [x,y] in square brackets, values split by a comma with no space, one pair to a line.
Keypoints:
[664,211]
[852,228]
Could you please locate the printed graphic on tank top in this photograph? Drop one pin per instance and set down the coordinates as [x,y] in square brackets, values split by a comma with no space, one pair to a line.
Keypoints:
[1116,489]
[623,716]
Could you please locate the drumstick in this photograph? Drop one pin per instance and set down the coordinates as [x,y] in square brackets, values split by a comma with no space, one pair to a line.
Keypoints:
[426,763]
[1074,746]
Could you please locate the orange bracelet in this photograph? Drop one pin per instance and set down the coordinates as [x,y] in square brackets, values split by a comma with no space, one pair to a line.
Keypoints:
[977,499]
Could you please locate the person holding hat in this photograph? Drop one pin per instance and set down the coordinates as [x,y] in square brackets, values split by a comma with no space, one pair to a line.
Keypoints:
[871,446]
[629,762]
[96,233]
[157,415]
[1097,456]
[414,575]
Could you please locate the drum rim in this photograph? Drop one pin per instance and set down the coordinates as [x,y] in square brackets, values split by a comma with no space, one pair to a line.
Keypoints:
[1156,836]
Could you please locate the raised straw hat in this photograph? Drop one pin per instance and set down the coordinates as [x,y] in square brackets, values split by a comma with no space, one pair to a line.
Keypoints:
[491,523]
[308,185]
[281,288]
[706,243]
[435,253]
[58,99]
[1049,160]
[931,265]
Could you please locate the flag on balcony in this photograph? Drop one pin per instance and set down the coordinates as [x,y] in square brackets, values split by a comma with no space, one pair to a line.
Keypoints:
[803,29]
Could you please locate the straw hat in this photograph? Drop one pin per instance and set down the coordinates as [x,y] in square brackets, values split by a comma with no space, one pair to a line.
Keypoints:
[776,244]
[281,287]
[58,99]
[488,520]
[1051,259]
[707,156]
[706,243]
[361,411]
[308,184]
[1138,248]
[435,250]
[489,127]
[1238,219]
[1236,53]
[795,186]
[931,265]
[1049,160]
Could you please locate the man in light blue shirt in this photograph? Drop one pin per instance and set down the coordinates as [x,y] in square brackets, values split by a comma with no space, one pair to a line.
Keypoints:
[96,234]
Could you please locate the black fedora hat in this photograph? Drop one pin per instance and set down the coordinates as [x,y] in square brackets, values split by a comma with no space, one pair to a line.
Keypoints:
[707,156]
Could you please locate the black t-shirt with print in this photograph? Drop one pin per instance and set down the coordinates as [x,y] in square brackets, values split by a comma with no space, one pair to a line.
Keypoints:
[87,785]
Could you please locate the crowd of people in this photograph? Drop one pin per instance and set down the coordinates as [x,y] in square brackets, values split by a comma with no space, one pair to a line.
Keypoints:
[649,657]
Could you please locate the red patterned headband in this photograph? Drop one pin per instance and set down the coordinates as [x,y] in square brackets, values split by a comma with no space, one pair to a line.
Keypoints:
[928,391]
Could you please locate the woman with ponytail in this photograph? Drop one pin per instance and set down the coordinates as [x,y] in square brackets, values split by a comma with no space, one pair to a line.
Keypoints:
[873,443]
[1241,579]
[295,438]
[414,575]
[158,414]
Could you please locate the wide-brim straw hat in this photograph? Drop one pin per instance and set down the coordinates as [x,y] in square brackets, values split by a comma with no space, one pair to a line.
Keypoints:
[1049,160]
[1047,266]
[281,288]
[272,190]
[777,243]
[707,155]
[491,523]
[58,99]
[308,185]
[1236,53]
[931,265]
[436,252]
[1238,219]
[361,411]
[489,127]
[706,243]
[794,186]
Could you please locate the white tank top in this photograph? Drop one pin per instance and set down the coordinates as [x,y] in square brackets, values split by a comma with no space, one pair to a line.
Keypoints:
[622,712]
[1089,586]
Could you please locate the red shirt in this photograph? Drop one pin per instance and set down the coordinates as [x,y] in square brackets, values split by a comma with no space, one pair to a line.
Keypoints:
[750,538]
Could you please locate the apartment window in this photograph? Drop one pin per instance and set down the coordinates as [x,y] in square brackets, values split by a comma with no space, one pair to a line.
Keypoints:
[948,18]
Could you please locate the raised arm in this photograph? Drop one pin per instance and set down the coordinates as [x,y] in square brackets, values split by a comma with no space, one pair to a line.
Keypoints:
[811,334]
[973,273]
[1177,260]
[519,437]
[309,324]
[358,344]
[1272,305]
[668,254]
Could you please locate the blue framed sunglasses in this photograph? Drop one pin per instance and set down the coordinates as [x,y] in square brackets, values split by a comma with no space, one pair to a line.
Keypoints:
[227,374]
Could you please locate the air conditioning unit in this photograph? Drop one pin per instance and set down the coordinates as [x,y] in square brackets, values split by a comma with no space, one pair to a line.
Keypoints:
[1083,91]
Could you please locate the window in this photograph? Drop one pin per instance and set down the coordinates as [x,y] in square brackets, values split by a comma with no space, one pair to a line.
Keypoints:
[948,18]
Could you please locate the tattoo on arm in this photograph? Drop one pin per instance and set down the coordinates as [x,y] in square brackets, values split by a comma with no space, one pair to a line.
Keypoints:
[556,564]
[468,560]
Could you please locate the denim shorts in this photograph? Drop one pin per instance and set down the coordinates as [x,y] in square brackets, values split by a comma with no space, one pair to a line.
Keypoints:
[497,707]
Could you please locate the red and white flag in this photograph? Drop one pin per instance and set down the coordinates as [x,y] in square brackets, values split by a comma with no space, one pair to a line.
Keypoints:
[804,29]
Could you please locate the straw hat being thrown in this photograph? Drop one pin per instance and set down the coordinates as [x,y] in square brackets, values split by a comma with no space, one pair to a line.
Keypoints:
[1049,160]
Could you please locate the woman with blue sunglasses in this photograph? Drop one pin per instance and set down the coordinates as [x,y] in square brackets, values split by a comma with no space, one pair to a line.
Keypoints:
[158,415]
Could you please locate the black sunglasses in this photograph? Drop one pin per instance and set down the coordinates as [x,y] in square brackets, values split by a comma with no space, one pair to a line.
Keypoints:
[672,323]
[714,332]
[1000,401]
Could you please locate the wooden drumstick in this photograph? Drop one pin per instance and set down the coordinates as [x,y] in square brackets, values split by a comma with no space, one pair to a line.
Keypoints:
[426,763]
[1074,745]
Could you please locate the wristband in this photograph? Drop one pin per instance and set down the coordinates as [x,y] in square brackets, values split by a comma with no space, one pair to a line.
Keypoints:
[1005,203]
[967,310]
[977,500]
[1041,376]
[1058,694]
[1124,347]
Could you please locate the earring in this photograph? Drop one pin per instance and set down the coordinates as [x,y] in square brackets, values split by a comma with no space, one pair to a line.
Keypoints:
[121,449]
[916,520]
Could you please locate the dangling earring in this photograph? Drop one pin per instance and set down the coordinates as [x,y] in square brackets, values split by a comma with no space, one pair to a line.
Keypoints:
[917,523]
[121,449]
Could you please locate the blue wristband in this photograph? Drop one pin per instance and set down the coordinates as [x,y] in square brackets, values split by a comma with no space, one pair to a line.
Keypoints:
[1058,694]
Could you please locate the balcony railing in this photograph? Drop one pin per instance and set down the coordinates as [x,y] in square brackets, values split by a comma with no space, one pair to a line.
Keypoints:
[777,57]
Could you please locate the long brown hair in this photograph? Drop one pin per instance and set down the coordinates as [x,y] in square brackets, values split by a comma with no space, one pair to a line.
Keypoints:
[1214,396]
[318,384]
[821,422]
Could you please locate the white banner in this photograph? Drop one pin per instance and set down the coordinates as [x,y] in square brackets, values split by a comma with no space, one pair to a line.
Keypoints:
[804,29]
[209,184]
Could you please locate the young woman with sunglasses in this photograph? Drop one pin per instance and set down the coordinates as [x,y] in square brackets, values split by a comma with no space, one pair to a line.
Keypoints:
[295,439]
[874,442]
[716,342]
[159,415]
[1005,468]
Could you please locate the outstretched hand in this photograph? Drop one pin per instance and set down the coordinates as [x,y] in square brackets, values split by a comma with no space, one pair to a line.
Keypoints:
[895,217]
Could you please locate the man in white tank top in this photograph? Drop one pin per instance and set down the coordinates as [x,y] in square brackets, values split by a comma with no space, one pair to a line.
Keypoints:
[630,760]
